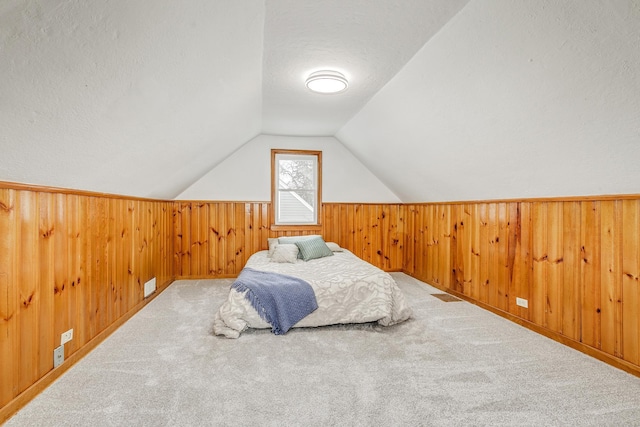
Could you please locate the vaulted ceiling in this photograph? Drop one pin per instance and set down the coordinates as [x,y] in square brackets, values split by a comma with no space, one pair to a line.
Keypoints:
[369,41]
[448,99]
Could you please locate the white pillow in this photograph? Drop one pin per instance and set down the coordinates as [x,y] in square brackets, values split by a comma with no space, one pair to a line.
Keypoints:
[272,242]
[334,247]
[293,239]
[284,252]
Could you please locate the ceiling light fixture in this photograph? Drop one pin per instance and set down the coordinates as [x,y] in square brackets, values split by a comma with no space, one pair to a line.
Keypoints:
[327,82]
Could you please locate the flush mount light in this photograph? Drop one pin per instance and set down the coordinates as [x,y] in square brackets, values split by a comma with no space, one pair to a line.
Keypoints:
[326,82]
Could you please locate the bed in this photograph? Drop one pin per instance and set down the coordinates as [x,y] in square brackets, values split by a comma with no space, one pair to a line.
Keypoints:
[347,290]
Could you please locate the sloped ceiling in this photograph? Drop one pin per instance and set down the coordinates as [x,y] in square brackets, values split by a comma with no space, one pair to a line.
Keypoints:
[512,99]
[448,100]
[368,41]
[126,97]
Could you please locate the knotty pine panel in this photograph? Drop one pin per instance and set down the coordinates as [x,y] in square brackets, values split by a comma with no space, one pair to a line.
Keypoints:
[9,307]
[67,261]
[630,281]
[577,262]
[27,288]
[571,289]
[215,239]
[591,273]
[520,258]
[611,277]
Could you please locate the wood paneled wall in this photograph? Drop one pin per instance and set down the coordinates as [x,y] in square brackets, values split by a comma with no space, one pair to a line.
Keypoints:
[71,261]
[577,262]
[373,232]
[214,239]
[74,260]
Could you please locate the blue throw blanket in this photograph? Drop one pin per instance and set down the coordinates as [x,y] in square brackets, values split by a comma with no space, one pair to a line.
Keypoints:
[280,300]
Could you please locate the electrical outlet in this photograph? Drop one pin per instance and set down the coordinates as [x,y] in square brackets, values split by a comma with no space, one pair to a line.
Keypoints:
[66,337]
[58,356]
[522,302]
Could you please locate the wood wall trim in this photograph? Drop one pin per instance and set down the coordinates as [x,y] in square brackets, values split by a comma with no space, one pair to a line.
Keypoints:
[295,228]
[12,407]
[49,189]
[602,197]
[70,191]
[268,202]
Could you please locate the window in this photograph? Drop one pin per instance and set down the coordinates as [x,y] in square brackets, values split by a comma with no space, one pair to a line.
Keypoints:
[296,187]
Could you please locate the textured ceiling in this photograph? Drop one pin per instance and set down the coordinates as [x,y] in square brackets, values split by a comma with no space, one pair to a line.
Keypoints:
[449,100]
[126,97]
[512,100]
[145,97]
[369,41]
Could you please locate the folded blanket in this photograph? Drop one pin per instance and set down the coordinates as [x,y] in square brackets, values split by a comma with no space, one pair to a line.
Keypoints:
[280,300]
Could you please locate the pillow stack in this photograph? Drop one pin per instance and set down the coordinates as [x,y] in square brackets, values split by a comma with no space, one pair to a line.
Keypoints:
[287,249]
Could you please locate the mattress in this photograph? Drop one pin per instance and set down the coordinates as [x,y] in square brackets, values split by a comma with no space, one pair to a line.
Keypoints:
[347,289]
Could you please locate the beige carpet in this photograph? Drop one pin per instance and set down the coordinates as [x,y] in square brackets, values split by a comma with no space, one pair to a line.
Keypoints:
[453,364]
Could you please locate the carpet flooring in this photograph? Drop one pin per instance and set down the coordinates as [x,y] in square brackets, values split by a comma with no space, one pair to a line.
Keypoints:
[452,364]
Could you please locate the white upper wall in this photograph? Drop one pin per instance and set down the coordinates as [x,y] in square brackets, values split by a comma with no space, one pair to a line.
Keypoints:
[246,174]
[127,97]
[512,99]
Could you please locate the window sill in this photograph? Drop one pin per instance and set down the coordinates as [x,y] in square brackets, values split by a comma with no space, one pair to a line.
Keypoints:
[303,227]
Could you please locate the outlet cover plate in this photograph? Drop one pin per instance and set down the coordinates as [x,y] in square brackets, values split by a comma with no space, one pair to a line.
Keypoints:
[58,356]
[65,337]
[522,302]
[150,287]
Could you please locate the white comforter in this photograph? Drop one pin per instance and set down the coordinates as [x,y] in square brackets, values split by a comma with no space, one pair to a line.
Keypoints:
[348,290]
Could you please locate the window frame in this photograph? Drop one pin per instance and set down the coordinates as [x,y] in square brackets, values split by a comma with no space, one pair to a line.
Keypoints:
[274,191]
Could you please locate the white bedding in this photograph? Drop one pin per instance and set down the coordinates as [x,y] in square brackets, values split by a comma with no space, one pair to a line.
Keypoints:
[348,290]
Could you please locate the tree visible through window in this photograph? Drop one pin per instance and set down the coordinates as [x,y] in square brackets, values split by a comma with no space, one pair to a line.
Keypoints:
[296,186]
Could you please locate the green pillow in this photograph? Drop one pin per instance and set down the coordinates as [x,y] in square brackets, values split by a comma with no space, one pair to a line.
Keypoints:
[313,248]
[293,239]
